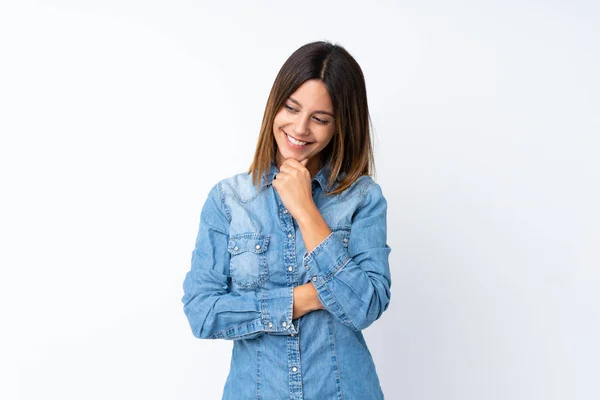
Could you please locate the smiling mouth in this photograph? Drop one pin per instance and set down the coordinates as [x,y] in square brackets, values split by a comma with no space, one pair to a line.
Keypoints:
[290,138]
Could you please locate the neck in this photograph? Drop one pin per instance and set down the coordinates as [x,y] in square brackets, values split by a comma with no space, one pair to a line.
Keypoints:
[314,165]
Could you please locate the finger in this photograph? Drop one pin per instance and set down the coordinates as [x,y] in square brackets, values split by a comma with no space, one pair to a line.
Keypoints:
[291,170]
[293,163]
[286,167]
[281,175]
[291,166]
[278,178]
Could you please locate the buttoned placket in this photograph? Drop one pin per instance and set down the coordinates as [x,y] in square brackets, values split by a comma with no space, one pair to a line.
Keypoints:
[293,347]
[294,361]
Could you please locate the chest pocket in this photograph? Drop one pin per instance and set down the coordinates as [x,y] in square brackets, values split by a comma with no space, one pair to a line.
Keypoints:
[248,262]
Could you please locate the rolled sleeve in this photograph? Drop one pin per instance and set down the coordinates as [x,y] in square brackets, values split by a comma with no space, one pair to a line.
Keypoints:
[325,259]
[353,283]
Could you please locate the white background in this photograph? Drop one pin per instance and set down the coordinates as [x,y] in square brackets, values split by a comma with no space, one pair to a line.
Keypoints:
[116,118]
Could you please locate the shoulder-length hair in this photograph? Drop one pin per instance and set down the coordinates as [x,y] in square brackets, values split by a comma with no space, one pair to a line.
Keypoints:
[350,149]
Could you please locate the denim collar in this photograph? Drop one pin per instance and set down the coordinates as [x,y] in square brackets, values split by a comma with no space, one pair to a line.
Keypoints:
[321,177]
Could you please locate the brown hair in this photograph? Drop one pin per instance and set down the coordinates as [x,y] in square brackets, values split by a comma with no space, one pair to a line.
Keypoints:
[350,149]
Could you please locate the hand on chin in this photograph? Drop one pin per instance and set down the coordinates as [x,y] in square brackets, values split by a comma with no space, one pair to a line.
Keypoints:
[293,184]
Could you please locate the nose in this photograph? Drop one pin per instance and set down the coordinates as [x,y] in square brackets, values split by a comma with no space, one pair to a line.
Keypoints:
[300,126]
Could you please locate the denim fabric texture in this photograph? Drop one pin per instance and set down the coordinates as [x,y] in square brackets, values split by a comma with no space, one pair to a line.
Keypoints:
[248,257]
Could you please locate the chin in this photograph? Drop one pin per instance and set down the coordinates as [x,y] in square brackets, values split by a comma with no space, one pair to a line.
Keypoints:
[286,155]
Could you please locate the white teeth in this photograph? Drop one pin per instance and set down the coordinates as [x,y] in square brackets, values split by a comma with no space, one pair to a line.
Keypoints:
[297,142]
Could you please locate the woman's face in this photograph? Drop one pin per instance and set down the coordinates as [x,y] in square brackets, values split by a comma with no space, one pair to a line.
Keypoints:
[307,117]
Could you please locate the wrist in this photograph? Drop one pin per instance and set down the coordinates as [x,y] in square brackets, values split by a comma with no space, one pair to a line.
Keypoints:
[314,228]
[306,300]
[308,216]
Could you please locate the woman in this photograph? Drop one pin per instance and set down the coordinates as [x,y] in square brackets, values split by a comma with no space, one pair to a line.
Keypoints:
[291,260]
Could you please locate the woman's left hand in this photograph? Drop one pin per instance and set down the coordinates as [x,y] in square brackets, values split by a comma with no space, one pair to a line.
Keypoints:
[294,186]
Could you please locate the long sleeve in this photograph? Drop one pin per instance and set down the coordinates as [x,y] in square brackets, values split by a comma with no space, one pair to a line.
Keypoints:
[354,282]
[213,311]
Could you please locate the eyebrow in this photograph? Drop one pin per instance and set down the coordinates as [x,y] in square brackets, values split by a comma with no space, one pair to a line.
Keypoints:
[316,112]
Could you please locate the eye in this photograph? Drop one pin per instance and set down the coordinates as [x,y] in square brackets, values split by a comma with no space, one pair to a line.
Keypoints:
[321,121]
[289,108]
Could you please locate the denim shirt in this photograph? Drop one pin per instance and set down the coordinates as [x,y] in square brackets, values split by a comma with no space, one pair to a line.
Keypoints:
[249,255]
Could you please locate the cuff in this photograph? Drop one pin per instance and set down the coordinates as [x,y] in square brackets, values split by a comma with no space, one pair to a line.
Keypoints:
[326,259]
[277,307]
[321,264]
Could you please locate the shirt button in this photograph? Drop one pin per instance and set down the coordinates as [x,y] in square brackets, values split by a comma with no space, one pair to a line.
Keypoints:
[290,268]
[293,334]
[314,278]
[235,248]
[270,324]
[285,211]
[307,267]
[345,240]
[289,235]
[257,246]
[294,369]
[284,324]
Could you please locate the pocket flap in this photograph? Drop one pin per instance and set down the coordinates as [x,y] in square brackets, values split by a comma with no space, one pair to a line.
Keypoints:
[254,242]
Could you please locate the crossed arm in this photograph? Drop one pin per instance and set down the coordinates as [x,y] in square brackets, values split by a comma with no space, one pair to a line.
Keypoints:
[314,229]
[352,283]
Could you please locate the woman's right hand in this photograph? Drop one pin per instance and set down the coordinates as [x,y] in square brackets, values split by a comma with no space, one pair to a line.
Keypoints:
[306,300]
